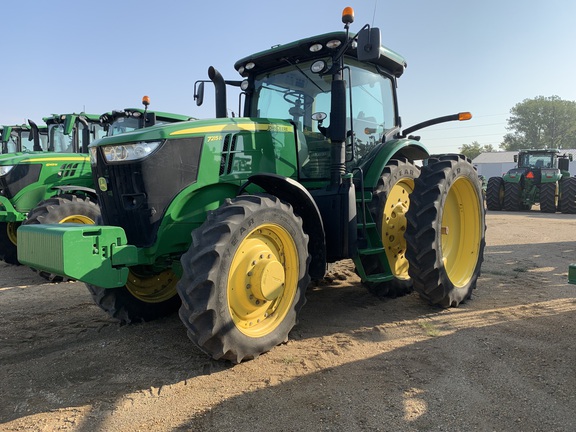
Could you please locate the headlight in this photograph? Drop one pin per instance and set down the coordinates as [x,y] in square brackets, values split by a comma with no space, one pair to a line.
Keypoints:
[93,153]
[129,152]
[5,169]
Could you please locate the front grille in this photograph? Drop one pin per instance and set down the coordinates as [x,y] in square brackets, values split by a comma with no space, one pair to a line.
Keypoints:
[69,170]
[138,193]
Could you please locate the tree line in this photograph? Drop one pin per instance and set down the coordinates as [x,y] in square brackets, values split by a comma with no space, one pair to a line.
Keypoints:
[541,122]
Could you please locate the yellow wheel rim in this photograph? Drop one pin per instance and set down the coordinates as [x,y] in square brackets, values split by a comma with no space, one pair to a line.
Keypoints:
[11,228]
[461,232]
[263,280]
[152,289]
[394,227]
[79,219]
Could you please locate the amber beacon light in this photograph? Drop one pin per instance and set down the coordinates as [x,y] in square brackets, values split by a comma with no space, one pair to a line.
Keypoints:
[348,15]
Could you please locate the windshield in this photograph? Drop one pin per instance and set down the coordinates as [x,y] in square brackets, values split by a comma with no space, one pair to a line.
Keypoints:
[59,142]
[12,143]
[122,125]
[27,141]
[537,160]
[296,94]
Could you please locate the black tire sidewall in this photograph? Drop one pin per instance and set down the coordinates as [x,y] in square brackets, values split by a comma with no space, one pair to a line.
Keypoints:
[459,294]
[58,208]
[206,266]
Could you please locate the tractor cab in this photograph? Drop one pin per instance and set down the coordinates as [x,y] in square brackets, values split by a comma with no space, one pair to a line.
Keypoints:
[20,138]
[131,119]
[71,133]
[536,159]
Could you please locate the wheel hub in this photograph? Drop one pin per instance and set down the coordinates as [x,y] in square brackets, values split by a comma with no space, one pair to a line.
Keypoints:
[153,288]
[267,279]
[11,229]
[79,219]
[394,226]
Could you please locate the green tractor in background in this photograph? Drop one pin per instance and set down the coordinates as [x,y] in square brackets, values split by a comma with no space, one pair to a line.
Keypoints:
[542,177]
[56,186]
[229,219]
[20,138]
[28,178]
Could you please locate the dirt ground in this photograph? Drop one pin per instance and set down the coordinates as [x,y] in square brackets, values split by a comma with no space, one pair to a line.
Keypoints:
[504,361]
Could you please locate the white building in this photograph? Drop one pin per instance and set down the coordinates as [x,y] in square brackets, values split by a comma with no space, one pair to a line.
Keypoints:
[495,164]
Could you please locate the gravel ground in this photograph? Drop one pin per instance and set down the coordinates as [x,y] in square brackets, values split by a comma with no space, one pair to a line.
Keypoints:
[504,361]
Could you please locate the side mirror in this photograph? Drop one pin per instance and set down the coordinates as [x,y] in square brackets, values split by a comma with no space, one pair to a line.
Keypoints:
[369,40]
[199,93]
[515,158]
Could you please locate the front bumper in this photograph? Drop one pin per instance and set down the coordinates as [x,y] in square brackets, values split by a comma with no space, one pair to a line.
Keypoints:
[97,255]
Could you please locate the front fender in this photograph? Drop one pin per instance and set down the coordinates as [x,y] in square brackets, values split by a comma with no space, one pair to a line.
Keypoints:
[374,162]
[299,198]
[71,189]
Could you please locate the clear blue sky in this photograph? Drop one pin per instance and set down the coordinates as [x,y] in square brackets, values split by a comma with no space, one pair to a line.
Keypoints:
[484,57]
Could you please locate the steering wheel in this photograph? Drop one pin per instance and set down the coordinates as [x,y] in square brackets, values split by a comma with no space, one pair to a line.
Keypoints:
[297,98]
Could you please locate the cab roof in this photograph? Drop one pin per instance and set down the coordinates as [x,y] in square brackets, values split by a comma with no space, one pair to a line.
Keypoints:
[299,51]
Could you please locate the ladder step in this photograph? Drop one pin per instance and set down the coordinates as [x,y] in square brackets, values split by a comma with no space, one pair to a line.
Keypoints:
[371,251]
[367,197]
[379,278]
[366,225]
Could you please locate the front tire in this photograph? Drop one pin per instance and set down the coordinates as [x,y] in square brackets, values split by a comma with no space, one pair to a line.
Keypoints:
[388,208]
[147,295]
[244,278]
[8,242]
[445,233]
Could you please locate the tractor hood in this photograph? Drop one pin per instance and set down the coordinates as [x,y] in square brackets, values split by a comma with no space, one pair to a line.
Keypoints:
[217,126]
[41,157]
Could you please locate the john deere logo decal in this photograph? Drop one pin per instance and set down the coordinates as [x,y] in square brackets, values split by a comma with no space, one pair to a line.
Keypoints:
[102,184]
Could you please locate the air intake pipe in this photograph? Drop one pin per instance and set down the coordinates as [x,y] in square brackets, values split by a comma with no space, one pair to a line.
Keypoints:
[220,89]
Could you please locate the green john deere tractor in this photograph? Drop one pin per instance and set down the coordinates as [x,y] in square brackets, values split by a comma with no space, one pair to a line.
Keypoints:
[542,177]
[229,219]
[19,138]
[56,186]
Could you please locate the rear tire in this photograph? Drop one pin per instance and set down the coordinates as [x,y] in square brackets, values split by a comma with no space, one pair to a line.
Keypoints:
[512,197]
[495,193]
[568,195]
[388,208]
[65,208]
[445,233]
[549,197]
[244,278]
[8,241]
[147,295]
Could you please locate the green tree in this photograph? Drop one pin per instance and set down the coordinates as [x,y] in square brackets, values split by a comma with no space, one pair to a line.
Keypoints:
[542,122]
[474,149]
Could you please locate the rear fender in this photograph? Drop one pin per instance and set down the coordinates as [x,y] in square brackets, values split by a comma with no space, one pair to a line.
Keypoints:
[514,178]
[550,176]
[299,198]
[373,165]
